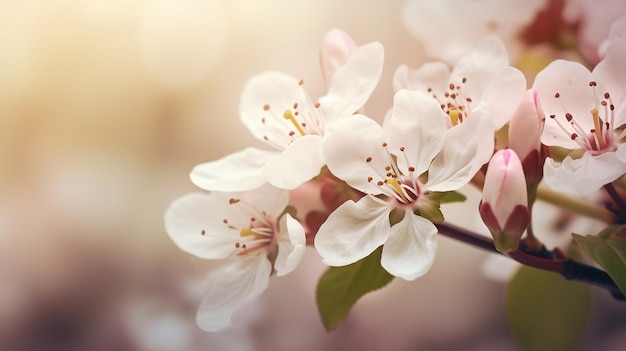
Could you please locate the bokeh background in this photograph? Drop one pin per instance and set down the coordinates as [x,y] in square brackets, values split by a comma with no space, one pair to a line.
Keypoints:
[105,106]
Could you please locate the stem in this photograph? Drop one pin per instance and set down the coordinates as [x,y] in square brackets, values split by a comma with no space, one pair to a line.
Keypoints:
[553,261]
[621,204]
[531,241]
[574,204]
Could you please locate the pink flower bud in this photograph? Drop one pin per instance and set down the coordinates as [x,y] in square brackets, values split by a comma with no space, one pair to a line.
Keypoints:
[525,131]
[336,48]
[504,205]
[526,125]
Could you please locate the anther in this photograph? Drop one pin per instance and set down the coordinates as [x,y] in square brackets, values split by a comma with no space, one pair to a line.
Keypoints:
[289,116]
[232,200]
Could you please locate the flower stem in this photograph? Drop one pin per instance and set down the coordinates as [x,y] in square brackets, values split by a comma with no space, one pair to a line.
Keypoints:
[577,205]
[621,204]
[553,261]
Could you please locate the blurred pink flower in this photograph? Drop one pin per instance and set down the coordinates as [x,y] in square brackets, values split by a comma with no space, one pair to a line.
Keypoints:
[449,29]
[594,19]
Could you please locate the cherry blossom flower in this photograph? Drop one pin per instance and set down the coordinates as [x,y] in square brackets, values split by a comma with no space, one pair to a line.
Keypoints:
[586,113]
[389,164]
[278,111]
[481,85]
[251,235]
[448,29]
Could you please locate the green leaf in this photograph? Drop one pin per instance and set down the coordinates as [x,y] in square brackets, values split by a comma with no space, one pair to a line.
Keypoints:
[546,311]
[340,287]
[608,249]
[446,197]
[431,212]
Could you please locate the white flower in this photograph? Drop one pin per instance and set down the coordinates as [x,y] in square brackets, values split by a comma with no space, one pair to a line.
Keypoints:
[252,236]
[389,164]
[277,110]
[587,111]
[482,85]
[449,29]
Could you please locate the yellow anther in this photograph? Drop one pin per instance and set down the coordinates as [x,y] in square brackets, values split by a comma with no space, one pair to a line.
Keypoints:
[247,232]
[289,116]
[395,185]
[597,126]
[454,116]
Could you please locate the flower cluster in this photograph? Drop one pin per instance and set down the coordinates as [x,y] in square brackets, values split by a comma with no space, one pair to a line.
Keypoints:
[336,179]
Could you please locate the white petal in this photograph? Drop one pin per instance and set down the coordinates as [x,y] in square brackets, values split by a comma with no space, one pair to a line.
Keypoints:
[410,250]
[481,66]
[353,231]
[347,148]
[571,81]
[418,124]
[234,288]
[353,83]
[264,100]
[298,163]
[238,171]
[504,94]
[291,245]
[189,215]
[268,199]
[460,158]
[433,75]
[585,175]
[611,70]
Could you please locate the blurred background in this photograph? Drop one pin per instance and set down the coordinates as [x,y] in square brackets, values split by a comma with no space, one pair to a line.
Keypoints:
[105,106]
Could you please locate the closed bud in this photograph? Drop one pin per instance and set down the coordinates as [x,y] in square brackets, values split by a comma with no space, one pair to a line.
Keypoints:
[525,129]
[527,125]
[337,47]
[504,205]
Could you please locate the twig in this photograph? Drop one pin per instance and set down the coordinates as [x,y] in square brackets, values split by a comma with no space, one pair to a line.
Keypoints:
[553,261]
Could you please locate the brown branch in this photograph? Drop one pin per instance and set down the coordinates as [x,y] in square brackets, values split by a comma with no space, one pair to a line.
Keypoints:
[553,261]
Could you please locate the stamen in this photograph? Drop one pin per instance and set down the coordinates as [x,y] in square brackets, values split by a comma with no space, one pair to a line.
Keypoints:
[289,116]
[597,127]
[454,117]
